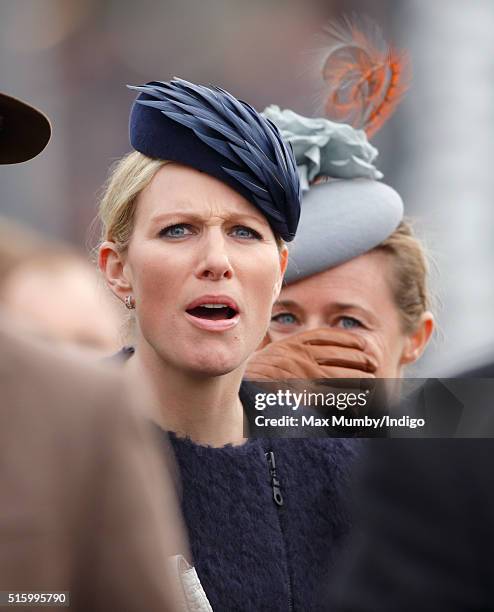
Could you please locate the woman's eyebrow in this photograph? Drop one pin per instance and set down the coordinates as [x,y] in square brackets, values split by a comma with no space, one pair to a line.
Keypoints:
[346,306]
[286,304]
[240,215]
[194,216]
[339,306]
[174,215]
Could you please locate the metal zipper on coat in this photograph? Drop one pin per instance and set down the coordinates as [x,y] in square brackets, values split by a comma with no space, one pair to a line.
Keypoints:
[275,482]
[278,500]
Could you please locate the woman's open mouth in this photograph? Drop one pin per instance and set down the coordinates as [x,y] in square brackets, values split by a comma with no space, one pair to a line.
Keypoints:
[214,313]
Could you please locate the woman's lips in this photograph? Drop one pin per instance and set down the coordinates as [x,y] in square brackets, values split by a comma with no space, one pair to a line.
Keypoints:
[213,312]
[213,324]
[213,299]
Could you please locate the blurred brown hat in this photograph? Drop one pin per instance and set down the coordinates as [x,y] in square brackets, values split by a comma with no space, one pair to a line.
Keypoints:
[24,131]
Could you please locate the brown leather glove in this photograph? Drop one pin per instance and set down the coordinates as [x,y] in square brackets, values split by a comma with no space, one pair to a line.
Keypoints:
[318,353]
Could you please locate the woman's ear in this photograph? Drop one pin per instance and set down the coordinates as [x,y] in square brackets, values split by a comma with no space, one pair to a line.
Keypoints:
[111,263]
[283,265]
[417,341]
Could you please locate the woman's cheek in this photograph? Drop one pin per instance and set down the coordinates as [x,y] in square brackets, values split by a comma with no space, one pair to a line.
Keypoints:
[262,299]
[275,335]
[282,331]
[361,331]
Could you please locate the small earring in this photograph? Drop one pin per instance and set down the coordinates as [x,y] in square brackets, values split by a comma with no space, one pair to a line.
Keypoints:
[129,302]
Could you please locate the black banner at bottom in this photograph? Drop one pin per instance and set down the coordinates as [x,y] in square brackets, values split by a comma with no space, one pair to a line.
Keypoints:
[371,408]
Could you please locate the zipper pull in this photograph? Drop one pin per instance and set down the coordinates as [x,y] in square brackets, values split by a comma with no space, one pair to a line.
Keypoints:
[275,483]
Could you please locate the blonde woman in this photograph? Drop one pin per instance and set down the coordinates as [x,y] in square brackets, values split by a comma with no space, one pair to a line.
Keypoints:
[194,226]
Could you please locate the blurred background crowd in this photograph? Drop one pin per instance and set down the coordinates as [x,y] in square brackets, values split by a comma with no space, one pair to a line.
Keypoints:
[72,58]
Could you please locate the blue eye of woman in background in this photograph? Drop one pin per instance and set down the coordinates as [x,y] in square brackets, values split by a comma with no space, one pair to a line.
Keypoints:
[285,318]
[349,323]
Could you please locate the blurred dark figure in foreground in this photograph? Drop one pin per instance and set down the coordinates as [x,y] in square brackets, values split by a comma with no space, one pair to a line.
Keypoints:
[424,537]
[86,500]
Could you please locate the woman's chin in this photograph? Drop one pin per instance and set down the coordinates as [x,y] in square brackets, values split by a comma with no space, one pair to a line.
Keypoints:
[212,362]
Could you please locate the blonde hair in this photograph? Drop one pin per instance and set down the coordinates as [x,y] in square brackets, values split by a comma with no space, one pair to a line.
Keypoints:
[410,271]
[129,176]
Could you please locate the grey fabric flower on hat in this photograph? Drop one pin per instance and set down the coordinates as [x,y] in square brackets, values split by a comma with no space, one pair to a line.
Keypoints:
[325,148]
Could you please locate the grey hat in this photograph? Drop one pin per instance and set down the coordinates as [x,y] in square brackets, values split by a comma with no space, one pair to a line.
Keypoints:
[345,216]
[340,220]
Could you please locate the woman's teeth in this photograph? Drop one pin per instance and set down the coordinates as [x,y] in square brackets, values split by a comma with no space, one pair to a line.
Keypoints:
[213,311]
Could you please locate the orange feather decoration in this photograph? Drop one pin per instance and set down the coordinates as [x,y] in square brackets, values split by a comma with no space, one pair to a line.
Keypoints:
[366,77]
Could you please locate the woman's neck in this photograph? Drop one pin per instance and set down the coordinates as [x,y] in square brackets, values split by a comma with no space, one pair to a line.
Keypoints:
[204,408]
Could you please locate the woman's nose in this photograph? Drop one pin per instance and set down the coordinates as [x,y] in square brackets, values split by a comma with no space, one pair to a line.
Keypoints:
[315,321]
[214,262]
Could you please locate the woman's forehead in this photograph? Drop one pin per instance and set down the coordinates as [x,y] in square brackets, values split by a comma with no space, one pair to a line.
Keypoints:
[361,281]
[179,189]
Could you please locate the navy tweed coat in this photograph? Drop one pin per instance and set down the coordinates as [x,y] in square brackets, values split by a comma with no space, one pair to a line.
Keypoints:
[253,552]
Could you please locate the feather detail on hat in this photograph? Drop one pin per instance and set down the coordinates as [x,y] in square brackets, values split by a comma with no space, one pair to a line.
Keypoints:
[254,153]
[342,219]
[324,148]
[366,77]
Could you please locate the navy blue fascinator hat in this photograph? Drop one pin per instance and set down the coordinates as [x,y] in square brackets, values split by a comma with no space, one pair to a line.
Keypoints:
[210,130]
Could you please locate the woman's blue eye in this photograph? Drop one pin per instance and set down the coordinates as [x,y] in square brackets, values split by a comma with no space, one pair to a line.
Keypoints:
[240,231]
[349,323]
[176,231]
[285,318]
